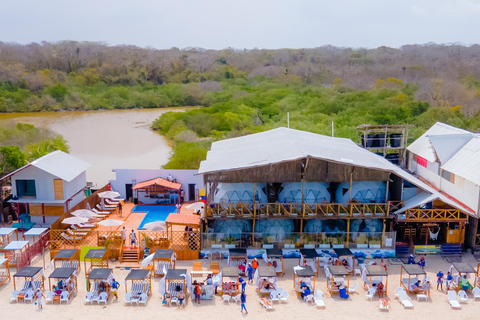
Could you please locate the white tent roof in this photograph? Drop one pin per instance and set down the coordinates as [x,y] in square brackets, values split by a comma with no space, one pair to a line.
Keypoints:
[440,142]
[283,144]
[466,162]
[16,245]
[59,164]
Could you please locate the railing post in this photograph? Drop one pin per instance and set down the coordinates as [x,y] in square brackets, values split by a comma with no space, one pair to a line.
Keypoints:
[348,233]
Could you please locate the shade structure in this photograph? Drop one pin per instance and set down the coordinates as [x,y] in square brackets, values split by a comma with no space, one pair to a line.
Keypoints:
[309,253]
[313,192]
[338,271]
[27,272]
[66,253]
[137,274]
[163,254]
[463,267]
[232,272]
[62,273]
[279,228]
[175,274]
[7,231]
[266,271]
[413,269]
[84,213]
[183,219]
[16,245]
[341,252]
[306,271]
[74,220]
[109,194]
[158,182]
[35,232]
[362,192]
[240,192]
[95,254]
[111,223]
[376,271]
[155,226]
[234,227]
[100,274]
[196,206]
[274,253]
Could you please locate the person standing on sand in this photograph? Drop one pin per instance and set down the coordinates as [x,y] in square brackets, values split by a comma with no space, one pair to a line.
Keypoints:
[115,287]
[440,280]
[243,300]
[124,235]
[38,296]
[133,239]
[250,272]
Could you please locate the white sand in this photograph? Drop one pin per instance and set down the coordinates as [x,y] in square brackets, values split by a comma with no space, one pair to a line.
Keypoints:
[357,307]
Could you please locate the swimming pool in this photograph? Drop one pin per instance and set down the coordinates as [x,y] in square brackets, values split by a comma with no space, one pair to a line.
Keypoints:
[154,213]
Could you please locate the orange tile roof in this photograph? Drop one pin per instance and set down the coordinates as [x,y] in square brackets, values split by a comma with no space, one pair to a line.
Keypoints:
[158,182]
[183,219]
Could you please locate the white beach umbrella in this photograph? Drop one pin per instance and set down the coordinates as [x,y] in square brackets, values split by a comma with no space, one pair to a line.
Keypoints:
[196,206]
[111,223]
[84,213]
[147,260]
[156,226]
[109,194]
[74,220]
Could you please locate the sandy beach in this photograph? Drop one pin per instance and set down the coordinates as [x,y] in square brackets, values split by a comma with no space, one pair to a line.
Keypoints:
[357,307]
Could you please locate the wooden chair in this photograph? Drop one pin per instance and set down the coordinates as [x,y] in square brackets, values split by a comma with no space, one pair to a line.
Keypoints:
[197,266]
[215,267]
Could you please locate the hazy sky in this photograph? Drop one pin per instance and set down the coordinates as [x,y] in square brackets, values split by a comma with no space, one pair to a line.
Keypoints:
[218,24]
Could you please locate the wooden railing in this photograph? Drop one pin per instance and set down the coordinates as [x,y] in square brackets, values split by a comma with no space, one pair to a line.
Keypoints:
[434,215]
[317,210]
[477,239]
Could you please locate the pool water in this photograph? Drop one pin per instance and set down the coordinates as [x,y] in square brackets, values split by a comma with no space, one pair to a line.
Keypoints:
[154,213]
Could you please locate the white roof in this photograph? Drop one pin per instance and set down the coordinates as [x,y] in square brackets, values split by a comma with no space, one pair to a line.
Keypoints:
[466,162]
[282,144]
[437,142]
[35,231]
[16,245]
[39,201]
[59,164]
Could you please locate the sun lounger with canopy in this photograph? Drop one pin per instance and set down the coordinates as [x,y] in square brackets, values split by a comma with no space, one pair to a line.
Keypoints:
[14,250]
[174,280]
[68,258]
[411,270]
[33,280]
[96,277]
[207,291]
[311,256]
[337,275]
[97,258]
[376,274]
[265,273]
[4,271]
[236,257]
[347,255]
[163,259]
[140,281]
[306,275]
[462,268]
[69,278]
[230,283]
[5,234]
[277,256]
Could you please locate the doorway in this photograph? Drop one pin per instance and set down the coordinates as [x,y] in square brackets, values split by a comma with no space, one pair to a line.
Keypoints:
[128,191]
[191,192]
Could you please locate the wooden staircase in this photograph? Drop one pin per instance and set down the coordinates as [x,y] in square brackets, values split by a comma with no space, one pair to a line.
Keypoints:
[130,255]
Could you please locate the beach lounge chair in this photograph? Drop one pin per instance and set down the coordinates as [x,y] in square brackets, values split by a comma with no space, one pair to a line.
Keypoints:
[226,298]
[319,299]
[88,298]
[14,297]
[100,212]
[370,293]
[128,298]
[405,300]
[64,296]
[274,296]
[215,267]
[197,266]
[49,297]
[353,289]
[397,291]
[174,300]
[308,299]
[476,293]
[236,298]
[453,300]
[267,304]
[462,296]
[382,306]
[283,296]
[28,296]
[102,298]
[143,299]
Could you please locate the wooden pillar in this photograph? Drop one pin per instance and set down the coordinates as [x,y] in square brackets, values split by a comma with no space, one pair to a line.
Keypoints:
[254,202]
[303,206]
[43,212]
[383,232]
[348,235]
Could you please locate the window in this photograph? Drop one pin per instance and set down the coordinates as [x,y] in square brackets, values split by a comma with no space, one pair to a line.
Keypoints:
[26,188]
[446,175]
[422,161]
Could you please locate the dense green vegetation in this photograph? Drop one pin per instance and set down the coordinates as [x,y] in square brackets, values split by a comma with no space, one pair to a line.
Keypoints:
[245,91]
[20,143]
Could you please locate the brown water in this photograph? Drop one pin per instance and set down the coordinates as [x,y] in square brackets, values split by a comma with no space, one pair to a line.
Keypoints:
[113,139]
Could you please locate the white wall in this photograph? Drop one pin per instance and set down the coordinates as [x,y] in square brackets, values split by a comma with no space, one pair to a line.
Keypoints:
[73,187]
[132,176]
[467,194]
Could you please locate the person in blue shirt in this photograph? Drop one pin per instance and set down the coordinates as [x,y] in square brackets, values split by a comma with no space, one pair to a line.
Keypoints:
[421,263]
[449,280]
[243,300]
[411,259]
[243,282]
[440,280]
[306,292]
[250,272]
[115,286]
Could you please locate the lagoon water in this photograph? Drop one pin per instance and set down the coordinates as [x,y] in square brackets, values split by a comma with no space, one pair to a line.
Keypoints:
[110,139]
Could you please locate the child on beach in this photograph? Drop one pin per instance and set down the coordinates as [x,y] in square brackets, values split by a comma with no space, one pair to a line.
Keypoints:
[449,280]
[38,296]
[250,272]
[427,287]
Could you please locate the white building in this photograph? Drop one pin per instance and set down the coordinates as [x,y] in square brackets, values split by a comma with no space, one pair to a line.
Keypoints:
[126,179]
[49,186]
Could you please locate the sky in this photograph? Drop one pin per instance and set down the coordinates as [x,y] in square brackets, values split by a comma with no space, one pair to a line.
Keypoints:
[242,24]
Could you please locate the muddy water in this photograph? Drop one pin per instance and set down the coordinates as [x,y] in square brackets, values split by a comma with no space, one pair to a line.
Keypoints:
[113,139]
